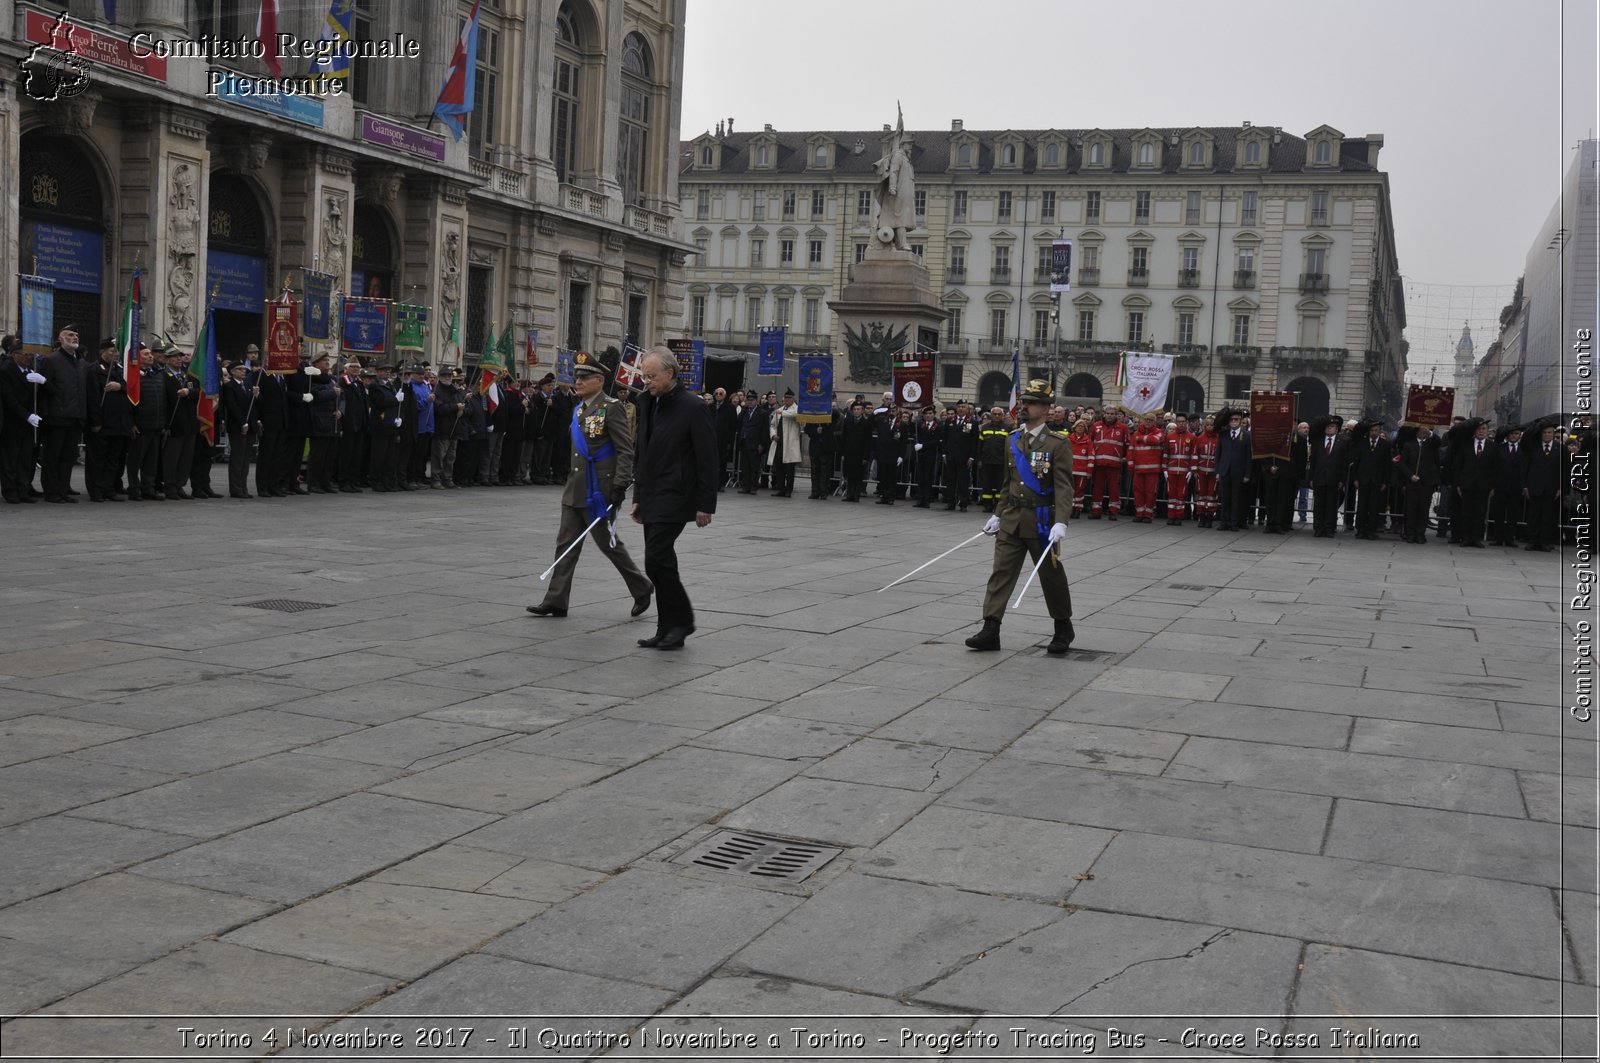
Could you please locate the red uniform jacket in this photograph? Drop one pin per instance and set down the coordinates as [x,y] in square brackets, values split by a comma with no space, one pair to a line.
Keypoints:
[1110,443]
[1082,454]
[1205,453]
[1144,450]
[1178,452]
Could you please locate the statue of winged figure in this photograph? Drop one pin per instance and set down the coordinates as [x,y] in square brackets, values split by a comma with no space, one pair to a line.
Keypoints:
[872,349]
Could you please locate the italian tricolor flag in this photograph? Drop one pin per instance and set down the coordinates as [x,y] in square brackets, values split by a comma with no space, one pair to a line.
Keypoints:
[128,340]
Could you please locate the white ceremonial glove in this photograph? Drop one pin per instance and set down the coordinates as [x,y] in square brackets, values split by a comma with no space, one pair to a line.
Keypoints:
[35,420]
[491,429]
[311,370]
[306,397]
[917,447]
[397,422]
[35,378]
[899,461]
[991,526]
[1057,532]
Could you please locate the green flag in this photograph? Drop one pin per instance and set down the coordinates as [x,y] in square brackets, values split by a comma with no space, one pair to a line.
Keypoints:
[506,352]
[490,359]
[452,346]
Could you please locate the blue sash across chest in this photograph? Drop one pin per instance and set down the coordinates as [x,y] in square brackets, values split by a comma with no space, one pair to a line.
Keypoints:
[1044,515]
[597,504]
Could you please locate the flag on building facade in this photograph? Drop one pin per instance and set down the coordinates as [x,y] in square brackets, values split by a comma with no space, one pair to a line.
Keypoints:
[331,60]
[456,95]
[267,35]
[128,340]
[205,369]
[1145,379]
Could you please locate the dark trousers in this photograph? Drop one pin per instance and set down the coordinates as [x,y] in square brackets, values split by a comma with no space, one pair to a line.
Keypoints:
[855,478]
[104,464]
[144,464]
[200,465]
[380,460]
[320,466]
[271,455]
[539,466]
[1279,502]
[1367,501]
[16,465]
[750,468]
[661,568]
[927,468]
[821,473]
[417,463]
[783,477]
[1417,496]
[239,463]
[1231,494]
[1542,529]
[1474,512]
[957,483]
[1325,508]
[1506,510]
[177,454]
[352,458]
[294,452]
[510,459]
[60,454]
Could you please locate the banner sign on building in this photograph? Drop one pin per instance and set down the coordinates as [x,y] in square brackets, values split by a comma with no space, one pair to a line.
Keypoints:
[1061,265]
[411,325]
[1145,378]
[691,355]
[239,281]
[38,314]
[564,364]
[283,336]
[69,256]
[816,389]
[365,327]
[319,298]
[55,31]
[770,361]
[1272,421]
[1429,407]
[402,138]
[244,91]
[913,383]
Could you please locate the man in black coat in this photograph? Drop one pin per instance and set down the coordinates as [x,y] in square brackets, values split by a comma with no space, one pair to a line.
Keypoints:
[926,448]
[384,465]
[108,425]
[558,431]
[1233,471]
[449,403]
[1474,479]
[62,405]
[272,446]
[182,400]
[1510,482]
[1546,475]
[820,440]
[1330,454]
[321,463]
[1373,461]
[149,427]
[18,423]
[959,449]
[888,447]
[239,420]
[676,472]
[297,426]
[725,418]
[1419,477]
[355,427]
[755,436]
[855,446]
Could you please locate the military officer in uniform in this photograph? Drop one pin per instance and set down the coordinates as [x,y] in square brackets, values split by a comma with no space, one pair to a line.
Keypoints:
[600,471]
[1030,517]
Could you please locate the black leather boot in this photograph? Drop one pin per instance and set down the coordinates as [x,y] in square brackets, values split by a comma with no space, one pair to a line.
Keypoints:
[1062,640]
[988,638]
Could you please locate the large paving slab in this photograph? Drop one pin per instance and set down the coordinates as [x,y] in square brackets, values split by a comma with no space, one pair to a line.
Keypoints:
[1335,783]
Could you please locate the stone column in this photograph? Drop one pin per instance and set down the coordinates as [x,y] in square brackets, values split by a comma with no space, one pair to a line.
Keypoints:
[165,183]
[10,197]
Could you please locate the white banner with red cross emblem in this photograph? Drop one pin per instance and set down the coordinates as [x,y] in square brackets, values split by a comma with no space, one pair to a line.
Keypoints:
[1145,379]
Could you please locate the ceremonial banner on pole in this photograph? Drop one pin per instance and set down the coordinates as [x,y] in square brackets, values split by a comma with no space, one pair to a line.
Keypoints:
[1272,420]
[128,339]
[530,351]
[508,353]
[1429,407]
[319,298]
[816,389]
[1145,379]
[564,363]
[206,369]
[410,322]
[1061,265]
[38,314]
[770,361]
[489,366]
[913,383]
[283,336]
[366,325]
[691,355]
[628,373]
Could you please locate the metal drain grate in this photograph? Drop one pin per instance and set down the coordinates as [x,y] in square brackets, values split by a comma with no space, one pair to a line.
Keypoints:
[1187,587]
[764,538]
[1089,655]
[755,855]
[285,605]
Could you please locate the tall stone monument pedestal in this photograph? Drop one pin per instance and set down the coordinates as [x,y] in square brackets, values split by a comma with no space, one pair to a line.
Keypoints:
[884,312]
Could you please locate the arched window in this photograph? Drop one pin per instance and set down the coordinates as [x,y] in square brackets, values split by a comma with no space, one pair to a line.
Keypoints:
[1252,152]
[565,132]
[1147,154]
[762,156]
[1324,152]
[1084,386]
[964,155]
[1052,154]
[1197,153]
[1009,155]
[1097,154]
[633,157]
[822,155]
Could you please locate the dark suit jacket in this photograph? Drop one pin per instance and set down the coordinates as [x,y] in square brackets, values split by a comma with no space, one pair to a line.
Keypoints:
[677,469]
[855,438]
[1373,460]
[1511,470]
[237,409]
[1546,476]
[1233,455]
[16,402]
[1420,460]
[1474,471]
[108,411]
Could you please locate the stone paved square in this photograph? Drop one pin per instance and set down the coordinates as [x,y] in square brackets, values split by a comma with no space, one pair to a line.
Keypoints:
[1268,798]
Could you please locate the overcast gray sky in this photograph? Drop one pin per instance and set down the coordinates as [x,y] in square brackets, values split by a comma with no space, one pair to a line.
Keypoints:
[1478,114]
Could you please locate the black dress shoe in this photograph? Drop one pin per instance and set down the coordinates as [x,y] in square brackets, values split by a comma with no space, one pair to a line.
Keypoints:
[546,610]
[654,640]
[54,498]
[986,639]
[1062,639]
[640,604]
[673,638]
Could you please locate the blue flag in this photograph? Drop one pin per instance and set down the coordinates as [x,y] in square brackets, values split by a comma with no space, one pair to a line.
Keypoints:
[816,388]
[770,362]
[331,59]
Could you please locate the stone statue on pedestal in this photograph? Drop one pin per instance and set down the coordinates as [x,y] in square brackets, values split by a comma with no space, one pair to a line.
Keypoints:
[897,191]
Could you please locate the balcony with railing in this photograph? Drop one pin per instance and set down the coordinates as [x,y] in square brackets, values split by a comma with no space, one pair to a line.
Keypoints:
[1102,349]
[583,201]
[954,345]
[1239,355]
[502,179]
[1313,283]
[1088,276]
[1000,275]
[956,275]
[1244,278]
[649,222]
[1188,278]
[1186,353]
[1138,278]
[1324,357]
